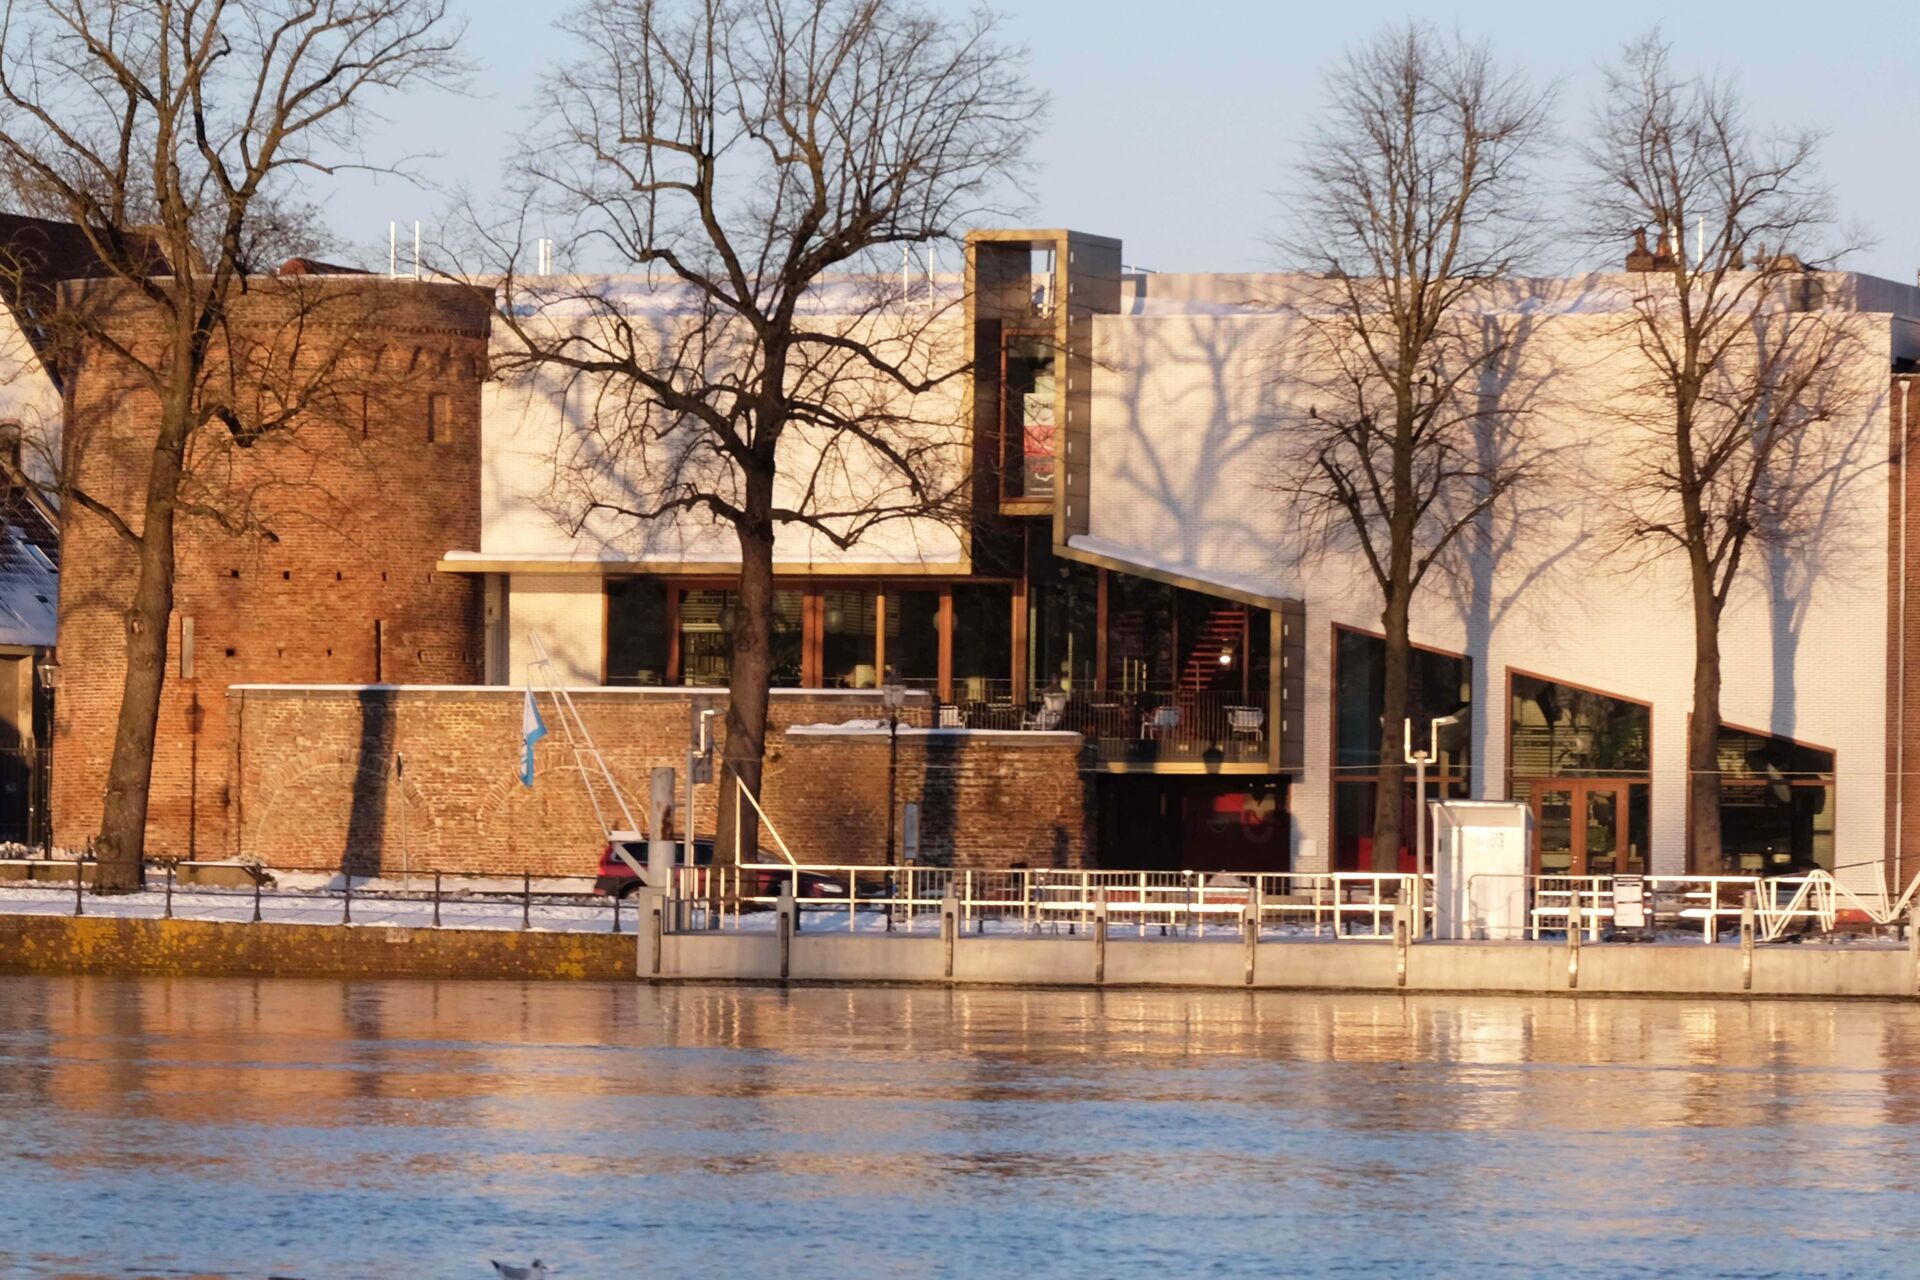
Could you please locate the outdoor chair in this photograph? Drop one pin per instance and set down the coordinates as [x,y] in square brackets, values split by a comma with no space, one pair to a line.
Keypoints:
[1247,722]
[1160,722]
[1053,705]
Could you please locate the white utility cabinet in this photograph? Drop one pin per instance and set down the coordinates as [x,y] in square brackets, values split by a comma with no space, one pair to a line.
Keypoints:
[1480,855]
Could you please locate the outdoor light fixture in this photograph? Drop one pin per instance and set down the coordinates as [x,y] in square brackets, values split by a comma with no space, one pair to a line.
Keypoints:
[1226,657]
[893,696]
[1420,760]
[50,672]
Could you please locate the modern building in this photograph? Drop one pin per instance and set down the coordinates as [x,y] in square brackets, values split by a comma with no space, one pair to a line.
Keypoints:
[1130,568]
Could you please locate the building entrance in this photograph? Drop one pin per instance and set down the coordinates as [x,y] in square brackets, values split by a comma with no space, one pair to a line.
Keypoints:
[1153,822]
[1580,827]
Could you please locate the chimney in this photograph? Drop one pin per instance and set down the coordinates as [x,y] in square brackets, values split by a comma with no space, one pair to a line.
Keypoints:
[1638,259]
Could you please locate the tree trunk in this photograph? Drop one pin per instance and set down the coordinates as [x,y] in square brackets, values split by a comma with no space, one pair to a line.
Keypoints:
[1703,738]
[121,848]
[1387,802]
[751,673]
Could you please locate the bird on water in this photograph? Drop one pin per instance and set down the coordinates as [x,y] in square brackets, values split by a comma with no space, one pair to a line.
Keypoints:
[535,1270]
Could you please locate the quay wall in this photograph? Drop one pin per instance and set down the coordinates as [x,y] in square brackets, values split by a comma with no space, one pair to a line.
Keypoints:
[63,944]
[195,948]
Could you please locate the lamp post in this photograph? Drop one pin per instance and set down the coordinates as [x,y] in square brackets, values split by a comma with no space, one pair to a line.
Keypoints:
[892,696]
[42,787]
[1420,760]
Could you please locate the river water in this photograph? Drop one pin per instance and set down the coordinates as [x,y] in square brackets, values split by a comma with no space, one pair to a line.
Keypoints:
[329,1129]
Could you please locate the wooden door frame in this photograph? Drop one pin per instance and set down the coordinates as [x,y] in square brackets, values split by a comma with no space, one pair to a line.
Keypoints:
[1577,789]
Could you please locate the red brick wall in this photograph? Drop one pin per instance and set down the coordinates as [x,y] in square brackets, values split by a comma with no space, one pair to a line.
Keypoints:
[361,504]
[317,783]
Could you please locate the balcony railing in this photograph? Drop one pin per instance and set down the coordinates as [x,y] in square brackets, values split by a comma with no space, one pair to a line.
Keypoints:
[1138,727]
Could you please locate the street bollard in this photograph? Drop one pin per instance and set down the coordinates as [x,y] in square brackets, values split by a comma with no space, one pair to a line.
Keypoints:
[79,906]
[1251,924]
[785,924]
[436,899]
[949,927]
[526,899]
[346,901]
[1099,936]
[1402,937]
[1573,941]
[1746,941]
[616,912]
[168,910]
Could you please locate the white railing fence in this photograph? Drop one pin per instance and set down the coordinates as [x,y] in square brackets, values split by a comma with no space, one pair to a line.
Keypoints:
[1190,903]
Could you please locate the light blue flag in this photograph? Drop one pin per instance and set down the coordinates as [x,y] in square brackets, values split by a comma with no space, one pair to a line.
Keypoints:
[532,729]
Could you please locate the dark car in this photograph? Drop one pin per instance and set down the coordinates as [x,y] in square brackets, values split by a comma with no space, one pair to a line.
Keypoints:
[616,877]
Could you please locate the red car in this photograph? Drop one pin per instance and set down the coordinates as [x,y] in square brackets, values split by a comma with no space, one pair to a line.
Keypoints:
[616,877]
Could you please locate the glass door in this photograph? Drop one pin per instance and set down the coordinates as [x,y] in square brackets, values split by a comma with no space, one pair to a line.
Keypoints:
[1579,828]
[1604,805]
[1555,835]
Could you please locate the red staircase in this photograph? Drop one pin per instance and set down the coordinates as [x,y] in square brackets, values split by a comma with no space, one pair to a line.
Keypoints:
[1225,628]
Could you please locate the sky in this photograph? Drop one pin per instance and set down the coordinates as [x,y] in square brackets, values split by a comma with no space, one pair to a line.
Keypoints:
[1173,126]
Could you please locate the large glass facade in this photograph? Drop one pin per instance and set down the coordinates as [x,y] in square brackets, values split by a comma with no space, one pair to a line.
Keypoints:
[1063,622]
[913,637]
[982,642]
[1581,759]
[1439,684]
[639,639]
[706,636]
[847,647]
[1776,805]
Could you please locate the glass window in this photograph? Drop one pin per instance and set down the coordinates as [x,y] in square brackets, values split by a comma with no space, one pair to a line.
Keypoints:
[1776,805]
[913,637]
[1027,414]
[1063,617]
[706,636]
[1140,634]
[982,642]
[637,637]
[847,639]
[1439,684]
[1560,731]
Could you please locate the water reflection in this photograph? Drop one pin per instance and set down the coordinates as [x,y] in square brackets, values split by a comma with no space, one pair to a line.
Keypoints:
[319,1128]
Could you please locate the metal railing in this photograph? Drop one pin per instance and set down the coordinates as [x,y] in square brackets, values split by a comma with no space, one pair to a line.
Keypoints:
[1190,903]
[425,900]
[1040,900]
[1130,726]
[911,899]
[1709,902]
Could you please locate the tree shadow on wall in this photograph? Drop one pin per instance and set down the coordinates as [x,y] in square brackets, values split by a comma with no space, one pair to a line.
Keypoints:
[939,806]
[365,846]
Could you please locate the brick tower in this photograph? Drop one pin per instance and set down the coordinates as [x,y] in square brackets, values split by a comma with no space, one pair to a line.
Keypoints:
[314,558]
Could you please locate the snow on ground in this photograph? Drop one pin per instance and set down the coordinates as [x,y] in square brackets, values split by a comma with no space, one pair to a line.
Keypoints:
[281,906]
[568,905]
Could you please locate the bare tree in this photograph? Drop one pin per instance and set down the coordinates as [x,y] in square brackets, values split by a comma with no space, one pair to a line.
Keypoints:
[764,163]
[1740,360]
[171,132]
[1413,206]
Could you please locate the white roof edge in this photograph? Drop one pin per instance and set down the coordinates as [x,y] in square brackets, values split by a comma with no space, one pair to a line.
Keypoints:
[1149,565]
